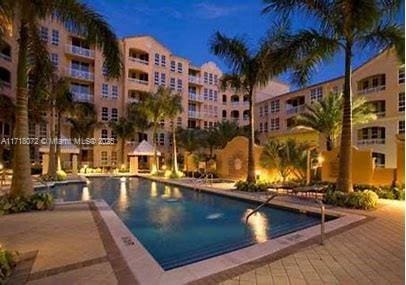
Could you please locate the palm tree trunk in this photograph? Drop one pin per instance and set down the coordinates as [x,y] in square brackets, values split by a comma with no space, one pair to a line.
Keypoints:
[251,140]
[21,183]
[154,140]
[58,146]
[344,181]
[175,152]
[52,151]
[329,143]
[123,160]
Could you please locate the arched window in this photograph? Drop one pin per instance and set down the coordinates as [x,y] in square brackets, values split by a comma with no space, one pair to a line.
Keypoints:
[5,51]
[224,114]
[5,77]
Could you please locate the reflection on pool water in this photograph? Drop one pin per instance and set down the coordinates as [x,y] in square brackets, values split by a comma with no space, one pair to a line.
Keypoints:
[180,226]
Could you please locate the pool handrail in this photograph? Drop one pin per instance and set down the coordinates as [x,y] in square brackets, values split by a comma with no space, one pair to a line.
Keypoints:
[318,201]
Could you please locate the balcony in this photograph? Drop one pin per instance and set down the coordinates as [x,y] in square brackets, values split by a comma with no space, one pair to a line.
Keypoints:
[380,114]
[138,60]
[194,114]
[76,50]
[133,100]
[371,90]
[371,141]
[195,80]
[195,97]
[5,57]
[293,110]
[80,74]
[138,81]
[235,103]
[82,96]
[4,84]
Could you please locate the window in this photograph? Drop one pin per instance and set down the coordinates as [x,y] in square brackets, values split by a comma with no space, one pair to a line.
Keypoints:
[105,90]
[162,123]
[316,94]
[104,158]
[55,37]
[104,134]
[401,74]
[113,135]
[114,114]
[216,80]
[371,135]
[163,79]
[43,130]
[401,102]
[379,107]
[180,67]
[205,94]
[156,59]
[179,122]
[266,110]
[215,95]
[114,91]
[205,77]
[275,106]
[261,111]
[173,65]
[163,60]
[105,70]
[114,157]
[156,78]
[261,127]
[274,124]
[210,95]
[172,83]
[379,159]
[161,139]
[215,109]
[105,114]
[179,85]
[210,78]
[55,59]
[44,34]
[401,127]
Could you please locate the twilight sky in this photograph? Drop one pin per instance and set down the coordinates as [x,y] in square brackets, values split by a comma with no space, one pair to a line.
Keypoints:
[185,26]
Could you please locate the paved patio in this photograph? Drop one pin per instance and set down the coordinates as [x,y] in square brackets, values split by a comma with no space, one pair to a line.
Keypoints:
[73,246]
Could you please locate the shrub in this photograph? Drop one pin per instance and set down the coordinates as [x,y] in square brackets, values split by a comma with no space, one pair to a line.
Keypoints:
[394,192]
[36,169]
[8,261]
[251,187]
[366,199]
[17,204]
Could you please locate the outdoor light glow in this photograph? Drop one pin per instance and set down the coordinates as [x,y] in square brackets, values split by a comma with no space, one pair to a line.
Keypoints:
[258,224]
[320,159]
[123,179]
[123,198]
[85,194]
[164,167]
[1,166]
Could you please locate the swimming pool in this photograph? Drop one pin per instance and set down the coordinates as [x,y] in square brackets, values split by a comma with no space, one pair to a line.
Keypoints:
[179,226]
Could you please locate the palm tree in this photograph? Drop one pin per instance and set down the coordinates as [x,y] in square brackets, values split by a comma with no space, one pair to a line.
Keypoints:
[7,109]
[190,140]
[325,117]
[173,108]
[95,30]
[288,158]
[249,71]
[226,131]
[341,26]
[157,107]
[125,130]
[83,118]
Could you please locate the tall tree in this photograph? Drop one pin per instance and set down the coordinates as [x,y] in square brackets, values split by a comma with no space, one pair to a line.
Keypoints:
[95,30]
[125,130]
[249,71]
[173,108]
[341,26]
[325,117]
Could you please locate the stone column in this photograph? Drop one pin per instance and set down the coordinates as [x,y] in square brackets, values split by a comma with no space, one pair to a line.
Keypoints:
[133,164]
[45,162]
[75,164]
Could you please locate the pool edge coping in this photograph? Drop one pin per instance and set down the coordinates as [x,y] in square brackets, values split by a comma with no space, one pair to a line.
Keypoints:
[148,271]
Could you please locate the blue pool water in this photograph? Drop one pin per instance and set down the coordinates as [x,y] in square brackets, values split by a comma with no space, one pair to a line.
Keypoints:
[180,226]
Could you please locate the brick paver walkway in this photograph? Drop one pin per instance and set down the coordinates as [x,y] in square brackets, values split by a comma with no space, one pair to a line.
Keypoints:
[372,253]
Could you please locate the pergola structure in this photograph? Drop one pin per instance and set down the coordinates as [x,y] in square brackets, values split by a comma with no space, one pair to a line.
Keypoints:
[143,150]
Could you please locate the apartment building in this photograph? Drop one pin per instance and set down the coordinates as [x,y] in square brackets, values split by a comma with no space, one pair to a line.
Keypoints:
[148,64]
[380,80]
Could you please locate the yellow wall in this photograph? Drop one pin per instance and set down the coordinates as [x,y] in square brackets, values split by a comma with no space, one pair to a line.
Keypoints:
[401,160]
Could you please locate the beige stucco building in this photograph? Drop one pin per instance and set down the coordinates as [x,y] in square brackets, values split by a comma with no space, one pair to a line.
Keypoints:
[381,80]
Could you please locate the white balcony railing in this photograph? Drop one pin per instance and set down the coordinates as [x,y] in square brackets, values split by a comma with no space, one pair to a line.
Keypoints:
[235,103]
[80,51]
[371,141]
[139,81]
[133,100]
[294,110]
[5,56]
[380,114]
[195,79]
[80,74]
[195,97]
[194,114]
[138,60]
[371,90]
[82,96]
[4,84]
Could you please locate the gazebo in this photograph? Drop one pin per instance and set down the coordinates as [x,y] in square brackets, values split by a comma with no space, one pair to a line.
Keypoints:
[143,150]
[69,153]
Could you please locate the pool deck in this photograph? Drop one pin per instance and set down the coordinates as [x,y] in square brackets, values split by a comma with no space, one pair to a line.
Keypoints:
[72,245]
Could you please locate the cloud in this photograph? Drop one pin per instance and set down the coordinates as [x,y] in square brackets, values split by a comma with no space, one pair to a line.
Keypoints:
[207,10]
[149,12]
